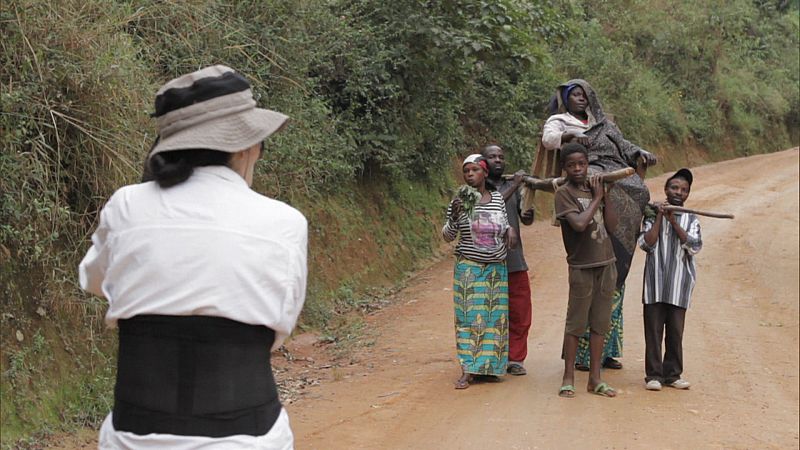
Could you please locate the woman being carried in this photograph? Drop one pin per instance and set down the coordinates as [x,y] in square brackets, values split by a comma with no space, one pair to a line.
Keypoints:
[577,116]
[480,280]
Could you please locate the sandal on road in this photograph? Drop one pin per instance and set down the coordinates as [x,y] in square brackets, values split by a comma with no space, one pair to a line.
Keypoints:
[463,382]
[581,367]
[487,378]
[567,391]
[611,363]
[516,369]
[604,390]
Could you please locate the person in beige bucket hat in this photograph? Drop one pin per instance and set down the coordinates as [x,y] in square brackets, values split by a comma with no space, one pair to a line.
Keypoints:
[211,109]
[207,277]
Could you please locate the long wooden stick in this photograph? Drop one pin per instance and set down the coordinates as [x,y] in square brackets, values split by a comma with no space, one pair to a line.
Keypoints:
[550,184]
[532,184]
[698,212]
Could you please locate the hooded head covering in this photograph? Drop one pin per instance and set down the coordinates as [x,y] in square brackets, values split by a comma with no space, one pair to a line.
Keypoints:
[558,104]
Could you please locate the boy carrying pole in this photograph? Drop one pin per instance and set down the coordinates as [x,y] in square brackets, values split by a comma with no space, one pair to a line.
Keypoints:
[587,219]
[671,239]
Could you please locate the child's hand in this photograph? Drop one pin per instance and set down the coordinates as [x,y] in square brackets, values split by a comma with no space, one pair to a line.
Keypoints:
[596,185]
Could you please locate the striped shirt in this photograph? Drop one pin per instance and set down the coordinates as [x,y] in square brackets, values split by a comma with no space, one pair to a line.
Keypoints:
[482,237]
[669,269]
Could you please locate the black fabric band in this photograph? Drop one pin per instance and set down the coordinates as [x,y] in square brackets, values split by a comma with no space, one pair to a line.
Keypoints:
[200,91]
[194,376]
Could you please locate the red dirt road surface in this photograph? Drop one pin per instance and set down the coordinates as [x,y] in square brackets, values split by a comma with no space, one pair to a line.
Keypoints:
[740,347]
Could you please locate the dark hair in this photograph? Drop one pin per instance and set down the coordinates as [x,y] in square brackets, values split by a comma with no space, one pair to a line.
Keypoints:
[572,147]
[171,168]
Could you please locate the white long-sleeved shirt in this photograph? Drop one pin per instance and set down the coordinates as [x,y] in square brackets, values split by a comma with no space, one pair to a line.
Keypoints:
[209,246]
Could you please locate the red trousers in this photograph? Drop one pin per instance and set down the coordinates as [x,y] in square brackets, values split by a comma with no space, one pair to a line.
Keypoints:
[519,315]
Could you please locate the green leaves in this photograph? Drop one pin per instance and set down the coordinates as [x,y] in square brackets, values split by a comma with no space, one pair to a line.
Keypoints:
[469,198]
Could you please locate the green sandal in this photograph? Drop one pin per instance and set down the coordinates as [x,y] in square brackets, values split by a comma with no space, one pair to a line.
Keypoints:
[567,391]
[604,390]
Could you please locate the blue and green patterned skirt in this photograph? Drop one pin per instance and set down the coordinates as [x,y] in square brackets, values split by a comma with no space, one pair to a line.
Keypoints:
[480,298]
[613,341]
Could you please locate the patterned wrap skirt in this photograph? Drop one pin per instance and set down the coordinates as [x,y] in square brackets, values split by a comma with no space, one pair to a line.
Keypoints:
[613,339]
[480,299]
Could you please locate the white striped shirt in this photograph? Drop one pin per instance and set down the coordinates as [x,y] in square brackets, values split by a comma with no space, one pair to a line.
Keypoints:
[669,269]
[489,225]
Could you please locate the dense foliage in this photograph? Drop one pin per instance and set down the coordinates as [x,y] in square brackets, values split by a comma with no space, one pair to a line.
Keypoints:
[383,96]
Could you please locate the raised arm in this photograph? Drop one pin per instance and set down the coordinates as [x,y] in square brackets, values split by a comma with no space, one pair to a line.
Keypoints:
[580,220]
[690,238]
[516,182]
[450,228]
[652,229]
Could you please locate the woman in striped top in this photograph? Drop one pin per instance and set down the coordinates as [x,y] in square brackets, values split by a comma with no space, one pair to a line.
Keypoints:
[480,278]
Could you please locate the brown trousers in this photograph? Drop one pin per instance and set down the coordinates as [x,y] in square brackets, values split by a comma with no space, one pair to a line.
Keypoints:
[662,320]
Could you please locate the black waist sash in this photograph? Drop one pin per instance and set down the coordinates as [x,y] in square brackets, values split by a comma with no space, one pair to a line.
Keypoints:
[194,376]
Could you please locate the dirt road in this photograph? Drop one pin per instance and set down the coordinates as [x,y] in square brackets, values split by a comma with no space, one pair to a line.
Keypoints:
[741,348]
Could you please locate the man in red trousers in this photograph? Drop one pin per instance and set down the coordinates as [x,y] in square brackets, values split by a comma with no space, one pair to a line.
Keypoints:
[519,288]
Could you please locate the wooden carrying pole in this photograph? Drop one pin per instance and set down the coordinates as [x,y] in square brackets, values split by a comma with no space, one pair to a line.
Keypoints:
[551,184]
[533,184]
[695,211]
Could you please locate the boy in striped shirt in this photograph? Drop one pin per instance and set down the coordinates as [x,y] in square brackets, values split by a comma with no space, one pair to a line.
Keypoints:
[671,239]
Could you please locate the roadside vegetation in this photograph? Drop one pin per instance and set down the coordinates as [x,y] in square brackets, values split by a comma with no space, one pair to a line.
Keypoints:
[383,96]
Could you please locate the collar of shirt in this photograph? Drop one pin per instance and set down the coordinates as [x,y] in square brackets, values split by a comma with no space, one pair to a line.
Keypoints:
[224,172]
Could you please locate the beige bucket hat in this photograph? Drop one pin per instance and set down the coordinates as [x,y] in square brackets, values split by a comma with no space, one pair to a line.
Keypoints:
[212,108]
